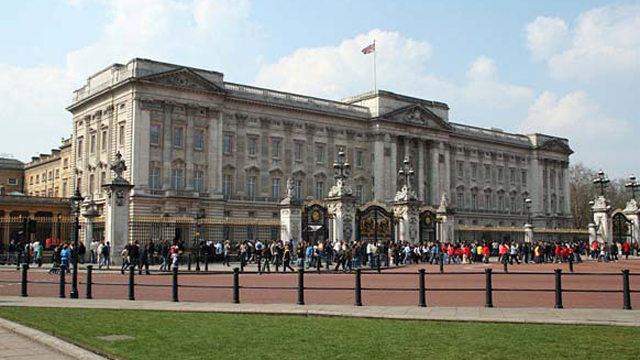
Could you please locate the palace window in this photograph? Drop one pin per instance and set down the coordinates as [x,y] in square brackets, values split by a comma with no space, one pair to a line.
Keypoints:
[103,178]
[92,144]
[488,204]
[64,188]
[154,178]
[359,159]
[121,135]
[298,146]
[226,185]
[319,190]
[474,171]
[460,165]
[487,172]
[360,193]
[79,148]
[12,181]
[227,145]
[178,137]
[65,163]
[177,179]
[460,200]
[524,177]
[275,148]
[275,188]
[252,145]
[92,179]
[474,200]
[500,174]
[552,179]
[299,189]
[251,186]
[154,134]
[320,154]
[198,140]
[514,204]
[57,173]
[104,141]
[512,175]
[198,180]
[31,180]
[501,202]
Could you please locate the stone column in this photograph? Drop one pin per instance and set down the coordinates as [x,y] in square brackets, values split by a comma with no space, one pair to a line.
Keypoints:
[433,173]
[601,220]
[117,210]
[408,213]
[379,168]
[393,168]
[290,221]
[90,213]
[528,233]
[188,150]
[592,234]
[446,220]
[167,148]
[632,212]
[421,194]
[343,211]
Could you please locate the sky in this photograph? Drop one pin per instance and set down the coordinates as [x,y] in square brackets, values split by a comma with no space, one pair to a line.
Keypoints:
[564,68]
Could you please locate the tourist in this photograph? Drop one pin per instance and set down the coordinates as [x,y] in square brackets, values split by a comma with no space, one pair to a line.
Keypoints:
[65,256]
[286,259]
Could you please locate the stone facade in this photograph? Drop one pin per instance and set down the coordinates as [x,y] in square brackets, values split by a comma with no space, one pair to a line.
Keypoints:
[194,142]
[11,176]
[50,174]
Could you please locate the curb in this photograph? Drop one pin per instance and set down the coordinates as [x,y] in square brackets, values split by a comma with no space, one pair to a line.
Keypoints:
[50,341]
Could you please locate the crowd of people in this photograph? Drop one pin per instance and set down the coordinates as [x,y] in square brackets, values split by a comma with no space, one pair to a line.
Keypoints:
[338,255]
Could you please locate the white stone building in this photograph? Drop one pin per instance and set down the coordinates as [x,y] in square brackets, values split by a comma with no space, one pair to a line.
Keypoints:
[194,142]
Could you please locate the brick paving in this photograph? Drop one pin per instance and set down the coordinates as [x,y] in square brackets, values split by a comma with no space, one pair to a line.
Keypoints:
[444,289]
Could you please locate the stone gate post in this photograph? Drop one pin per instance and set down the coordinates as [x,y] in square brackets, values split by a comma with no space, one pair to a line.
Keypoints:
[117,210]
[632,212]
[290,216]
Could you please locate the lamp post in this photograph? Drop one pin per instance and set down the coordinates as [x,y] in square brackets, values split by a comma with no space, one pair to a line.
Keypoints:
[633,185]
[528,202]
[196,218]
[601,181]
[406,173]
[76,199]
[341,168]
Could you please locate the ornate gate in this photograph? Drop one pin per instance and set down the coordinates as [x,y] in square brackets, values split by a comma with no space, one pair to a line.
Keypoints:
[375,223]
[621,228]
[428,226]
[315,222]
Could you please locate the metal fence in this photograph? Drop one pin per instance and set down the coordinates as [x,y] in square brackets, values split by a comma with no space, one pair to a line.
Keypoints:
[554,285]
[184,230]
[49,231]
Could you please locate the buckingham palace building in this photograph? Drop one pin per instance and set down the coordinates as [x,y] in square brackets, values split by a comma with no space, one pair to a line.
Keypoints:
[194,143]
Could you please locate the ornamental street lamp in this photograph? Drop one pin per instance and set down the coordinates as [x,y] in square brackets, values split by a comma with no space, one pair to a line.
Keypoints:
[341,168]
[633,185]
[76,200]
[528,202]
[406,173]
[196,218]
[601,181]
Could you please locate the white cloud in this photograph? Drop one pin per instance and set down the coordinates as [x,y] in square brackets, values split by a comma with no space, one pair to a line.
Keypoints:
[603,41]
[594,135]
[546,36]
[342,70]
[203,33]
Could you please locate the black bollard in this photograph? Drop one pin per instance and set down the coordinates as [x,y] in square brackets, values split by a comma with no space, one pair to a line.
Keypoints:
[558,276]
[236,286]
[378,263]
[626,291]
[89,281]
[441,262]
[571,263]
[301,286]
[189,262]
[132,272]
[423,291]
[174,283]
[206,263]
[318,265]
[62,292]
[25,267]
[488,302]
[358,288]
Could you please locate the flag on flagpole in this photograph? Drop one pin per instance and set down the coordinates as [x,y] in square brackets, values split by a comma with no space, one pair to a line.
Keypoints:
[369,49]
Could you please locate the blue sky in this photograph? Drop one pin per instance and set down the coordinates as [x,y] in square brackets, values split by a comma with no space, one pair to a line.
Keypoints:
[568,68]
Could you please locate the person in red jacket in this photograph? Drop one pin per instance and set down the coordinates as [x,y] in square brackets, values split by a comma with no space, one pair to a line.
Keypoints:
[626,249]
[594,250]
[485,253]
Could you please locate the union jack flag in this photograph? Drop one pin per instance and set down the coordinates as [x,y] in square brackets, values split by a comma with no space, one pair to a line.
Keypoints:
[369,49]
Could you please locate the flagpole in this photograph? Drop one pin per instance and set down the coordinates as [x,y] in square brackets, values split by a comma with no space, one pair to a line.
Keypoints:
[375,81]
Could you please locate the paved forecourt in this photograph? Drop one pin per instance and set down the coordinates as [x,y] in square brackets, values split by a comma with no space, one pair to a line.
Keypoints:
[443,290]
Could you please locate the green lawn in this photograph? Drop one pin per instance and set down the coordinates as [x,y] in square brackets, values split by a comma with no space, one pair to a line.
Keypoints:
[172,335]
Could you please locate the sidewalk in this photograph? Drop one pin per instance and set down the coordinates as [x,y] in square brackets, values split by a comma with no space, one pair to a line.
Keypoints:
[611,317]
[19,342]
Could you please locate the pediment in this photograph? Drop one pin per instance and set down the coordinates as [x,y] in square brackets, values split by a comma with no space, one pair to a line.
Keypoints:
[184,78]
[418,115]
[556,145]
